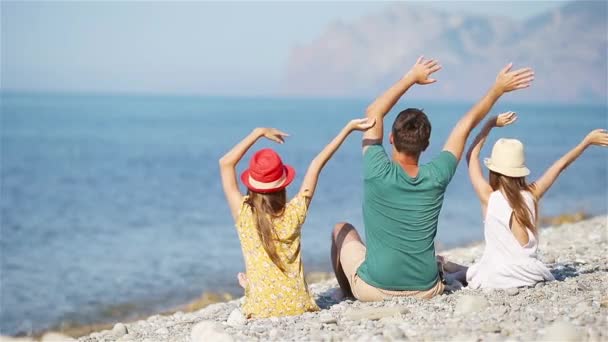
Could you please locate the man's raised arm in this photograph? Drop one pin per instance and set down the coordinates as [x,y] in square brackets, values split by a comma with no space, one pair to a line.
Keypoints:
[506,81]
[419,73]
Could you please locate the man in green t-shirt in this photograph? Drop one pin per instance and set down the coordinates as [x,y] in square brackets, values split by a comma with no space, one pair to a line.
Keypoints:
[402,199]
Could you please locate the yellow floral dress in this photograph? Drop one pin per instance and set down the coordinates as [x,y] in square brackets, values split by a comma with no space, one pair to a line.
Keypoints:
[269,291]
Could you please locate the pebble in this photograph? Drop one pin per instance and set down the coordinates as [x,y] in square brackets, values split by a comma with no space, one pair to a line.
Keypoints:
[512,291]
[373,313]
[490,327]
[464,338]
[236,318]
[500,310]
[562,331]
[273,334]
[469,304]
[593,335]
[56,337]
[188,317]
[393,333]
[119,330]
[327,318]
[549,260]
[127,337]
[153,318]
[209,331]
[162,331]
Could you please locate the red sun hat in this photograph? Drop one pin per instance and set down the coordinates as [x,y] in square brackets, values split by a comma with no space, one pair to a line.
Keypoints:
[267,173]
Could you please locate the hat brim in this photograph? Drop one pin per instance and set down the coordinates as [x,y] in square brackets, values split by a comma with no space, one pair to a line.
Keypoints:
[290,175]
[507,171]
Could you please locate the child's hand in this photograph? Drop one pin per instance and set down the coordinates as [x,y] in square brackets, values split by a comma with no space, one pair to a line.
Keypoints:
[273,134]
[597,137]
[361,124]
[505,119]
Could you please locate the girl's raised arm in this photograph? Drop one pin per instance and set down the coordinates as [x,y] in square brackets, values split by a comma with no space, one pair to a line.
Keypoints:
[596,137]
[312,174]
[229,160]
[481,186]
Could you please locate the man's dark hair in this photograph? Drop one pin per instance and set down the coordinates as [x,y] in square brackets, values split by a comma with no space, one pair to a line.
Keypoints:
[411,131]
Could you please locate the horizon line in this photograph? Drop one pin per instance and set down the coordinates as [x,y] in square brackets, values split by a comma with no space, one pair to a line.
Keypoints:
[271,96]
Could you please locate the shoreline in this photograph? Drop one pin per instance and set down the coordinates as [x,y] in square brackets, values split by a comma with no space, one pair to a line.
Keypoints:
[211,299]
[76,329]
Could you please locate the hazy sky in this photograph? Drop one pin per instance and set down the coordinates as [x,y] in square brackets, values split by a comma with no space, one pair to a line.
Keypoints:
[236,48]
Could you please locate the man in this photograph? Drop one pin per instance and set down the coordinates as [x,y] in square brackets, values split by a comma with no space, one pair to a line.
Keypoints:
[402,199]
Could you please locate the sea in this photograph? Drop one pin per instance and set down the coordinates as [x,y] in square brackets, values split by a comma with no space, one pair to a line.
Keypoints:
[111,205]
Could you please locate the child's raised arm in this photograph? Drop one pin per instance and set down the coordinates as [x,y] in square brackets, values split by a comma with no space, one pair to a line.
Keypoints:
[596,137]
[312,174]
[229,160]
[481,186]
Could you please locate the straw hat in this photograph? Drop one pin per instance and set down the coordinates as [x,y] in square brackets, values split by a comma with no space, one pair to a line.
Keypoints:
[508,158]
[267,173]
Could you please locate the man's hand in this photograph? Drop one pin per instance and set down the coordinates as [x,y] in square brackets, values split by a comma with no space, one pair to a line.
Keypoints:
[272,134]
[504,119]
[508,80]
[418,74]
[596,137]
[422,69]
[361,124]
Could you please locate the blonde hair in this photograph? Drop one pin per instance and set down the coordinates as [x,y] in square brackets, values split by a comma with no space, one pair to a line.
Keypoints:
[264,206]
[512,187]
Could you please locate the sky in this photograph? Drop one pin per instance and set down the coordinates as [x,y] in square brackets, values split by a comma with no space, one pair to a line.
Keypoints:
[212,48]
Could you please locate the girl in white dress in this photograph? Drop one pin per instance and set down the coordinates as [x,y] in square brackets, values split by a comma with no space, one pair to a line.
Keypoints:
[510,206]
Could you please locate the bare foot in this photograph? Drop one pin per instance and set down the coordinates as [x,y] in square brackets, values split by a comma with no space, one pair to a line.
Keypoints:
[242,279]
[448,266]
[459,277]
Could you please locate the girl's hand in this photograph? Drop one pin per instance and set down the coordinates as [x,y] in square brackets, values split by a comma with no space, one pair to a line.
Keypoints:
[273,134]
[597,137]
[505,119]
[361,124]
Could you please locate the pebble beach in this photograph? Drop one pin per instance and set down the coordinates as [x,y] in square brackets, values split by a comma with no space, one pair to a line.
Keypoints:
[572,308]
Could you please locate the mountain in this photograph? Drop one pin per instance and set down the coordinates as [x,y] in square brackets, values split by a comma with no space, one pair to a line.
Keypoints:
[567,47]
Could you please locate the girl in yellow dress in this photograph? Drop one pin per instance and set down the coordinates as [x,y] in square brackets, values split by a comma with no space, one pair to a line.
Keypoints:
[269,226]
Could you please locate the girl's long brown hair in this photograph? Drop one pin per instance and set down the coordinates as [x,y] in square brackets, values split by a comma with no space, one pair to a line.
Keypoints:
[264,206]
[512,187]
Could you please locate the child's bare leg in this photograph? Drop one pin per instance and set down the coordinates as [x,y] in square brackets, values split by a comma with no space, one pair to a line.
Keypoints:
[452,272]
[242,277]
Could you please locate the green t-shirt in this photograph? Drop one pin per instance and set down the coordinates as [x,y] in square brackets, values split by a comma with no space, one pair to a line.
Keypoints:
[400,214]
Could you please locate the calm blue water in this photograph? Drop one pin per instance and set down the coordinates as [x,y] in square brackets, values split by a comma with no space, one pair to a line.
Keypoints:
[113,203]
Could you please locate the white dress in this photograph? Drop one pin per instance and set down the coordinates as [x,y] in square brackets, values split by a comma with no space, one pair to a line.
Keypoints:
[505,263]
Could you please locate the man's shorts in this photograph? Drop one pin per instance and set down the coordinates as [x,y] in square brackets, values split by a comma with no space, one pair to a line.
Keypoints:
[352,256]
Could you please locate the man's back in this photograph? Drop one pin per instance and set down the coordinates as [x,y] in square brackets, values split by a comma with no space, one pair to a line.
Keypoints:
[400,213]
